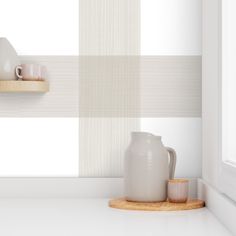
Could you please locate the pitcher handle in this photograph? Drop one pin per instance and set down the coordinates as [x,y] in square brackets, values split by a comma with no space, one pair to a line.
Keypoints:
[172,163]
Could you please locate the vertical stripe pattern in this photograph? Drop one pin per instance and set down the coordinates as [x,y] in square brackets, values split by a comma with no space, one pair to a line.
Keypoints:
[108,28]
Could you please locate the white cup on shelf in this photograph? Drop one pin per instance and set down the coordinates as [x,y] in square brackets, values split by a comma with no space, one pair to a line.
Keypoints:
[31,72]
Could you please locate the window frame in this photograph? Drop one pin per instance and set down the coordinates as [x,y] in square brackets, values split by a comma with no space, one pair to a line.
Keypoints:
[227,169]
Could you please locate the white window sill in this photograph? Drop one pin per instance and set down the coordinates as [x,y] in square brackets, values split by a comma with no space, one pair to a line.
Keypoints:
[90,217]
[219,204]
[78,206]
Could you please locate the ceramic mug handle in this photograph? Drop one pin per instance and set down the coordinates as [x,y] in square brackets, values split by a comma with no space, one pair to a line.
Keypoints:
[172,163]
[18,69]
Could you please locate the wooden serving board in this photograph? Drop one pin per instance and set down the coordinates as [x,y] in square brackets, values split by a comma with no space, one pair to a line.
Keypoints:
[20,86]
[121,203]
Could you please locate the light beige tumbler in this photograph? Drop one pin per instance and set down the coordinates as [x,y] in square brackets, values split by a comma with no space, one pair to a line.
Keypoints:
[178,190]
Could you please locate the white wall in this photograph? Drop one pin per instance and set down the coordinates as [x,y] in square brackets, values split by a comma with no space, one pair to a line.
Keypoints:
[45,27]
[171,27]
[42,146]
[39,147]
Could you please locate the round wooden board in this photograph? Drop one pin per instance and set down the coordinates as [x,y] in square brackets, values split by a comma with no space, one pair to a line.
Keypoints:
[121,203]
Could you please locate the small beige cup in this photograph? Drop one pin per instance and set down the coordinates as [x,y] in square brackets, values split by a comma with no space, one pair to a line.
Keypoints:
[31,72]
[178,190]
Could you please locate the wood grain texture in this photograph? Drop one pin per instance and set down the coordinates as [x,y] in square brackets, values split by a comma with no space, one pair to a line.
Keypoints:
[17,86]
[177,181]
[121,203]
[61,101]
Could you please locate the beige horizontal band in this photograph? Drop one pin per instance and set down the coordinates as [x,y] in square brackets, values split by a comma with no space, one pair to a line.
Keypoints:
[140,86]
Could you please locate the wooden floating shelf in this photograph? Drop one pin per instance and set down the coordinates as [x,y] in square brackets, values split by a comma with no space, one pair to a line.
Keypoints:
[19,86]
[121,203]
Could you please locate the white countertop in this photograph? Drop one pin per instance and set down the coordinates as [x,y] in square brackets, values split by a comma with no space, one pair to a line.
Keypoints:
[92,217]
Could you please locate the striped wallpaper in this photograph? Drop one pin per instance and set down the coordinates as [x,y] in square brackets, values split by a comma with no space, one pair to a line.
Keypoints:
[120,90]
[138,69]
[109,27]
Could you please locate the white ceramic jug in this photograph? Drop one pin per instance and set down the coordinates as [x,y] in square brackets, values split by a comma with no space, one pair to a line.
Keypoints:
[147,168]
[8,60]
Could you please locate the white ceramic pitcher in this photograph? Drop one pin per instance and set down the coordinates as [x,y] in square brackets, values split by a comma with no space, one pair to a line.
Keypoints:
[147,168]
